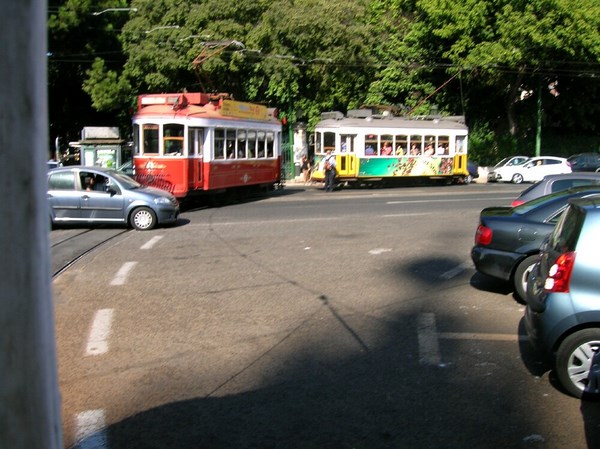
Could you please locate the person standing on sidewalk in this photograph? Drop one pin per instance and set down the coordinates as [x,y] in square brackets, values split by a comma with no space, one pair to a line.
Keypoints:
[305,167]
[329,167]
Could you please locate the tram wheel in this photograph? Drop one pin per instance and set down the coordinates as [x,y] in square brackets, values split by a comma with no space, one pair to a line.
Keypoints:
[143,219]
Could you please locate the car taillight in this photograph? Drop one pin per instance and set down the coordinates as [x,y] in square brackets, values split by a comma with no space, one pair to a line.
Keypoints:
[559,275]
[517,202]
[483,236]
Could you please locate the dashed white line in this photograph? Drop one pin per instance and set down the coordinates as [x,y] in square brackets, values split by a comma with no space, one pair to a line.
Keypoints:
[101,326]
[429,351]
[90,432]
[456,270]
[481,336]
[121,275]
[150,243]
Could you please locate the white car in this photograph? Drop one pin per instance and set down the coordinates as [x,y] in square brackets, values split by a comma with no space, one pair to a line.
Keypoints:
[506,162]
[531,170]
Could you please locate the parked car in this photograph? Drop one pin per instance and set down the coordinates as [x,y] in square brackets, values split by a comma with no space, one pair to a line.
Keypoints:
[78,194]
[473,170]
[507,162]
[554,183]
[508,239]
[585,162]
[562,317]
[532,170]
[127,168]
[53,164]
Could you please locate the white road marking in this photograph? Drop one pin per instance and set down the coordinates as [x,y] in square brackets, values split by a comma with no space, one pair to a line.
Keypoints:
[150,243]
[445,200]
[429,351]
[121,275]
[378,251]
[90,427]
[101,326]
[456,270]
[481,336]
[416,214]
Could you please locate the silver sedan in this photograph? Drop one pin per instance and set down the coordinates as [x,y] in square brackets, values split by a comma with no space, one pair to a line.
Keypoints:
[78,194]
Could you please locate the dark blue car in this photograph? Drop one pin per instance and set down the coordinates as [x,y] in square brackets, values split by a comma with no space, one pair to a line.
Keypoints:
[508,239]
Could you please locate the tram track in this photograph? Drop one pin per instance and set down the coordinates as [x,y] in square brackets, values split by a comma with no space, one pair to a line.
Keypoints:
[70,245]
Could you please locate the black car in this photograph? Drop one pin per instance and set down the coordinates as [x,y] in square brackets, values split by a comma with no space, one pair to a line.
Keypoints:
[585,162]
[555,183]
[508,239]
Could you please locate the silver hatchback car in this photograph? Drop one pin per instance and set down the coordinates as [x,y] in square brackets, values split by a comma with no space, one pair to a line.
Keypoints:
[78,194]
[563,299]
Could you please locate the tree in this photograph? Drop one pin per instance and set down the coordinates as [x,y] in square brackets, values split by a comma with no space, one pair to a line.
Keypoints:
[76,37]
[507,46]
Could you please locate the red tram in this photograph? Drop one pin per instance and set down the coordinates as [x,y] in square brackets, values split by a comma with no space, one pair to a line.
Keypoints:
[199,143]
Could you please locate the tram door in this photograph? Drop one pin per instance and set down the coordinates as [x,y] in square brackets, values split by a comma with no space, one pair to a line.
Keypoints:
[195,157]
[346,163]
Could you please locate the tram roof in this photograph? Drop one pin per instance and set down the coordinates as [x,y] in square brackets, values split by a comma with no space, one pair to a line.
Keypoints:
[391,122]
[185,105]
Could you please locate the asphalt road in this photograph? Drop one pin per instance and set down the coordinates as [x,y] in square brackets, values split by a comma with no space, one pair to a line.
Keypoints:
[306,319]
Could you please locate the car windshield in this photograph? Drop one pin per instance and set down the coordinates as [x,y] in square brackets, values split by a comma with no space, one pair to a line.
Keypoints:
[127,182]
[502,162]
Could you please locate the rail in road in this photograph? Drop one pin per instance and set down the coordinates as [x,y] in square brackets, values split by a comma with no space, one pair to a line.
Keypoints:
[68,245]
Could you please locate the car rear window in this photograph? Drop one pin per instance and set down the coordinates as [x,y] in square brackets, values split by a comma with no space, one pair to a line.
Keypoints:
[61,181]
[565,234]
[568,183]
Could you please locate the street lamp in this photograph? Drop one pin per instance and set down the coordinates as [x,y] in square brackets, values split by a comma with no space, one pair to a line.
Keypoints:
[97,13]
[166,27]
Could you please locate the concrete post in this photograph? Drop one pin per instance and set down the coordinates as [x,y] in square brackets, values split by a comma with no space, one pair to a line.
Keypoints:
[29,397]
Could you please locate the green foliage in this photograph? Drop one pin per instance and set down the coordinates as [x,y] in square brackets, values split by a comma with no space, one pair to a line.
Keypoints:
[472,57]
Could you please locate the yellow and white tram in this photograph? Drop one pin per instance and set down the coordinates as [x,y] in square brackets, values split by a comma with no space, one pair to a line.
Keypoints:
[371,148]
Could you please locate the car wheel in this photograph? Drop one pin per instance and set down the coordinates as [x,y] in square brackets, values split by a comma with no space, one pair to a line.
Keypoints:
[143,219]
[468,179]
[522,274]
[517,178]
[578,363]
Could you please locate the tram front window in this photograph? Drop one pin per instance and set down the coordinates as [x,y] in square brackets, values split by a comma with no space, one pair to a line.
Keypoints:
[150,132]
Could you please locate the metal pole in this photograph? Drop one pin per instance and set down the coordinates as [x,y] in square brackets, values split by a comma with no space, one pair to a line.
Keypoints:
[538,128]
[291,137]
[29,396]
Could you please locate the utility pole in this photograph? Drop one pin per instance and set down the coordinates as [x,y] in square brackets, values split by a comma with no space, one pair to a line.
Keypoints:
[29,397]
[538,127]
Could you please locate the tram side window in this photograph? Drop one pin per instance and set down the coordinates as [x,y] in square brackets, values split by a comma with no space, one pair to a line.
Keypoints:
[230,141]
[387,148]
[136,139]
[195,141]
[219,144]
[443,146]
[401,145]
[318,149]
[371,145]
[270,139]
[150,132]
[429,146]
[241,142]
[251,144]
[260,148]
[329,141]
[461,144]
[416,145]
[173,139]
